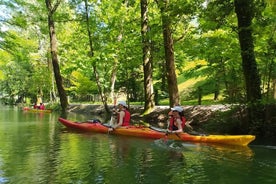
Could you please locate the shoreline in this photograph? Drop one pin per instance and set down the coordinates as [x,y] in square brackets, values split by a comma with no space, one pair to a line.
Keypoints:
[197,114]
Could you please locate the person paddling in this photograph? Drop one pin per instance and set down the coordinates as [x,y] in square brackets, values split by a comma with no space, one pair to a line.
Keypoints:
[123,116]
[177,120]
[42,106]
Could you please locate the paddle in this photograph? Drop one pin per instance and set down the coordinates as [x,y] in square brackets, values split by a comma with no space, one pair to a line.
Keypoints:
[114,105]
[166,132]
[176,133]
[113,109]
[191,131]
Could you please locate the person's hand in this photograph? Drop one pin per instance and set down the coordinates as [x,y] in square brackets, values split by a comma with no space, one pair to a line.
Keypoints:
[169,131]
[110,129]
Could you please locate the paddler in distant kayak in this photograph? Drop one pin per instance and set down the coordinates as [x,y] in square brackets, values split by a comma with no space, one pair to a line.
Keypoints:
[177,120]
[123,116]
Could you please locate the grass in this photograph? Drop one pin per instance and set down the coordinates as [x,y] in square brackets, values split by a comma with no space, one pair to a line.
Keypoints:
[185,87]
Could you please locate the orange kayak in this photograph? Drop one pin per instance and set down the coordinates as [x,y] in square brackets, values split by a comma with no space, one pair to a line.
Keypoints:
[156,133]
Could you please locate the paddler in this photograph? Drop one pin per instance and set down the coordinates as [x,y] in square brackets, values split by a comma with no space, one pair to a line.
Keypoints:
[123,116]
[177,120]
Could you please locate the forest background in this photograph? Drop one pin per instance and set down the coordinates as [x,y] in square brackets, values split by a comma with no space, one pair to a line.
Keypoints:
[149,52]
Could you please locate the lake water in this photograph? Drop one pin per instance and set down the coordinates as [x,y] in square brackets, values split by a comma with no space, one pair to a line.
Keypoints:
[35,148]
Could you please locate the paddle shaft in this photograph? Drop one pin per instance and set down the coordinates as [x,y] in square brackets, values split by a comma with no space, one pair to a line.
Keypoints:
[114,105]
[176,133]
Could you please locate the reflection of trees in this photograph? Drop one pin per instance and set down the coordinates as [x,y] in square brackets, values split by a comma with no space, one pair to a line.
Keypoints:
[38,150]
[213,163]
[28,147]
[110,159]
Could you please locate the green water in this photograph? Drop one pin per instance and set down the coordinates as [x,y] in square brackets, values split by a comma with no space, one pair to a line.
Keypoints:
[35,148]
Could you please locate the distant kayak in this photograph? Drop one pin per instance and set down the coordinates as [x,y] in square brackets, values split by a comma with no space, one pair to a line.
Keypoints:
[37,110]
[156,133]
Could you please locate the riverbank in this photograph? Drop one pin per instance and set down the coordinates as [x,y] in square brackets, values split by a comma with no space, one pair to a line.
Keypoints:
[195,114]
[209,119]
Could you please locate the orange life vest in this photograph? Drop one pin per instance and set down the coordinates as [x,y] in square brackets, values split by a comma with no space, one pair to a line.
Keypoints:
[172,126]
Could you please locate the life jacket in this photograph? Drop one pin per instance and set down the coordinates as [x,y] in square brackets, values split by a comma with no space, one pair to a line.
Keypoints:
[42,107]
[126,119]
[172,125]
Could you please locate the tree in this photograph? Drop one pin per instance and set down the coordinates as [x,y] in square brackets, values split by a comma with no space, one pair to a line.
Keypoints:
[169,52]
[245,13]
[53,46]
[265,48]
[147,59]
[94,66]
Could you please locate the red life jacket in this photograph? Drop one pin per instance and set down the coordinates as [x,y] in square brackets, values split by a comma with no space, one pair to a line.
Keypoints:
[172,125]
[126,119]
[42,107]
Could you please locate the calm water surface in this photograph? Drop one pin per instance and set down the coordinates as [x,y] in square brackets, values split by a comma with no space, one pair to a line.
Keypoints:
[35,148]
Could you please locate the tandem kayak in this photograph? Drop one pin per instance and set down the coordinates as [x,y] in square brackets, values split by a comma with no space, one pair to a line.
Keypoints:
[37,110]
[156,133]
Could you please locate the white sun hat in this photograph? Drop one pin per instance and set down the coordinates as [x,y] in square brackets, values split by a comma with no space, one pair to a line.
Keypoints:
[177,108]
[123,103]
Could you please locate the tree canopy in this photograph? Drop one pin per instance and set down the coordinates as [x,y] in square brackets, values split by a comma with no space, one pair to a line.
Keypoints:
[102,50]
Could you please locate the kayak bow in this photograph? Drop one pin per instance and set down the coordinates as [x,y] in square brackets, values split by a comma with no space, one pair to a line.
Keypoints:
[155,133]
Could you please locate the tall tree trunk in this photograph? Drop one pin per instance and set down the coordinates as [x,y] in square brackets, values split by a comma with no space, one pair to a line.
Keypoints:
[169,53]
[147,59]
[94,66]
[53,46]
[245,13]
[52,93]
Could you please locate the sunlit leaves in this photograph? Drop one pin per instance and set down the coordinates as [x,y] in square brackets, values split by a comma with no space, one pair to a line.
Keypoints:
[81,85]
[204,33]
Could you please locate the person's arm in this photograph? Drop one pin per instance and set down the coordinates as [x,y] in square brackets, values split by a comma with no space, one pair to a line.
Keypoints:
[179,126]
[120,122]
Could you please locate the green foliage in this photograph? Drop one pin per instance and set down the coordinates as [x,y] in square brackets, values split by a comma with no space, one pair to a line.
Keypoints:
[206,48]
[54,106]
[81,86]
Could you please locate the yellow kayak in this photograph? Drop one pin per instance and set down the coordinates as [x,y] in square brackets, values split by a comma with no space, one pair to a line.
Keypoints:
[37,110]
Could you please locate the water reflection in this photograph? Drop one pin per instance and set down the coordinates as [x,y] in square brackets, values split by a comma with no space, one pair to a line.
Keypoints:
[35,148]
[201,162]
